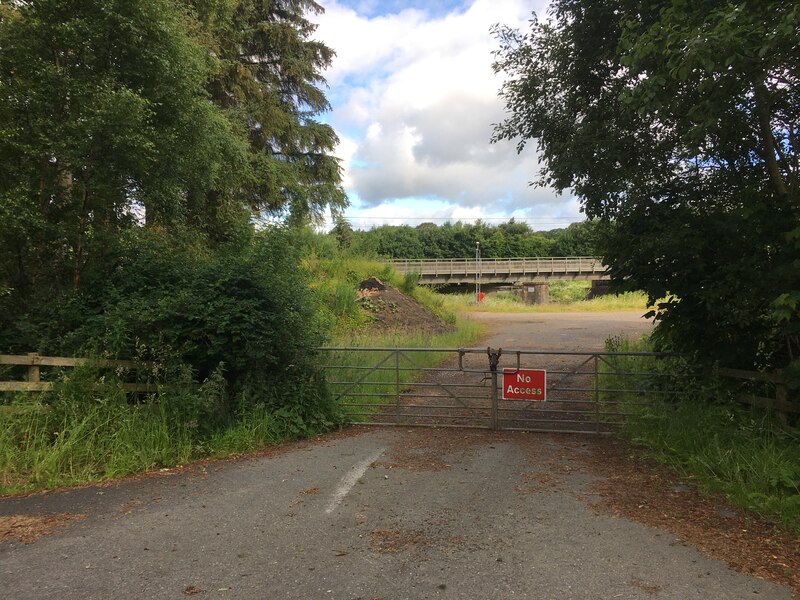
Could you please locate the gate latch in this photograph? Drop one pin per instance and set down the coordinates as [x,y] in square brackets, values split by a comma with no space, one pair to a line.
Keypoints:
[494,358]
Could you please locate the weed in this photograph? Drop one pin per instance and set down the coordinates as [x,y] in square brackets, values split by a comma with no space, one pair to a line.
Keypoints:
[86,430]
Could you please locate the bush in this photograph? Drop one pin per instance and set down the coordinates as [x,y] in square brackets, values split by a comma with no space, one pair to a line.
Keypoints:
[244,311]
[228,335]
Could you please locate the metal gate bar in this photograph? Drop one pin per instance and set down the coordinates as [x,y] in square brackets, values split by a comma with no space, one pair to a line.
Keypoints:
[398,386]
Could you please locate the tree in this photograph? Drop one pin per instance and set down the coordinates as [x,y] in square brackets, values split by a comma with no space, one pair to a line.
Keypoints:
[579,239]
[343,232]
[104,120]
[269,82]
[136,137]
[677,124]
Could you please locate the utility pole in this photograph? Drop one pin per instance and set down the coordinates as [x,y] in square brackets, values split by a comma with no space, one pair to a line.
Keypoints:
[477,272]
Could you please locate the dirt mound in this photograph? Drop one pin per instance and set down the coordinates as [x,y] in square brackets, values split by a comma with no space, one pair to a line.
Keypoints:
[372,283]
[392,310]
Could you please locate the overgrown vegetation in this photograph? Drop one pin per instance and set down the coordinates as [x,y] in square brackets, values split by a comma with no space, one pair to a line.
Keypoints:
[242,325]
[228,338]
[742,452]
[87,430]
[138,141]
[338,271]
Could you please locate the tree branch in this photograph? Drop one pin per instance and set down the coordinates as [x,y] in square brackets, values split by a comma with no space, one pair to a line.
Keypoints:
[768,140]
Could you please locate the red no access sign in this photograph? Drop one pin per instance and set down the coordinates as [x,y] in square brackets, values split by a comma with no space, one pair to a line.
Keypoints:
[524,384]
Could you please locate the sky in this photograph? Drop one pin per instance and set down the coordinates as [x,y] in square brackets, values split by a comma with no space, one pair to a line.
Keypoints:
[414,99]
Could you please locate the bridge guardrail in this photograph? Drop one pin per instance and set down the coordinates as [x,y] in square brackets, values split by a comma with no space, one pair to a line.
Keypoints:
[513,267]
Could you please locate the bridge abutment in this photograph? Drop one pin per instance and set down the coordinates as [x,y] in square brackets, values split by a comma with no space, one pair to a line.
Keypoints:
[599,288]
[537,292]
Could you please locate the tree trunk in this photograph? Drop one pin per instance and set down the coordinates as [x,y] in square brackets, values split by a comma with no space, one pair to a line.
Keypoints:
[768,140]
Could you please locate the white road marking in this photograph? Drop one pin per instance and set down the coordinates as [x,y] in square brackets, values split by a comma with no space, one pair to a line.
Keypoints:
[350,479]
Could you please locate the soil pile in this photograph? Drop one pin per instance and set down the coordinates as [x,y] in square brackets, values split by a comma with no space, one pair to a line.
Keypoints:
[390,309]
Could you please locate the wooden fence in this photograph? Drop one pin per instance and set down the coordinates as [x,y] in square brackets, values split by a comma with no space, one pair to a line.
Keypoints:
[780,403]
[34,363]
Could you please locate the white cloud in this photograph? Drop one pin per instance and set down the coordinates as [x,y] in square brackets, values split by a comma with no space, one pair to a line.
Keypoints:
[414,211]
[418,98]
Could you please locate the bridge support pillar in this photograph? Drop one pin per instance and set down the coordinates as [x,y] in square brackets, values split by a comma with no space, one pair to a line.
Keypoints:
[536,293]
[599,288]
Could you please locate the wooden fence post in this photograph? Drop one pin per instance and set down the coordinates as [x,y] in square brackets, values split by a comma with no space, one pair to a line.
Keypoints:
[34,373]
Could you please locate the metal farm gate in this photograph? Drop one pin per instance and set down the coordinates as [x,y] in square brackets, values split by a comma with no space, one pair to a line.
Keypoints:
[567,392]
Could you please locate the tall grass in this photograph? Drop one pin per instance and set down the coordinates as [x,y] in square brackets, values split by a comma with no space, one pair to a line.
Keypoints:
[464,334]
[562,290]
[740,451]
[85,430]
[63,445]
[353,366]
[508,302]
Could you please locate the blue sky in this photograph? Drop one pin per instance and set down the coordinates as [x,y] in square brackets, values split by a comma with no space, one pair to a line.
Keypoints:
[375,8]
[414,99]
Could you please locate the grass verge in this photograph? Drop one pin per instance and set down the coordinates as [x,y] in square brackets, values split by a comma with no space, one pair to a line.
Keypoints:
[740,451]
[508,302]
[63,441]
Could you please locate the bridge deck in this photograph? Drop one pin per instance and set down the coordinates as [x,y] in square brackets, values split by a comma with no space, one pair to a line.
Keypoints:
[502,270]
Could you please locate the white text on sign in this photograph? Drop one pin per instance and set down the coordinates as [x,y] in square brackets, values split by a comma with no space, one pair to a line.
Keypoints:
[524,384]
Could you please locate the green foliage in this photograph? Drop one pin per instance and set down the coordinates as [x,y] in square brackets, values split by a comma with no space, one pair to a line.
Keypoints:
[569,291]
[739,451]
[114,114]
[410,282]
[457,240]
[676,124]
[136,140]
[247,311]
[268,81]
[103,118]
[228,336]
[566,298]
[579,239]
[343,304]
[343,232]
[86,430]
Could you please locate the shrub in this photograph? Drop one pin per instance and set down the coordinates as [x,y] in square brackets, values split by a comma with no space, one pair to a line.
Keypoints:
[244,312]
[409,283]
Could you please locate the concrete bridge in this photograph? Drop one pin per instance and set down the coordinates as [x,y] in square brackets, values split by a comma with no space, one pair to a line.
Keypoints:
[502,270]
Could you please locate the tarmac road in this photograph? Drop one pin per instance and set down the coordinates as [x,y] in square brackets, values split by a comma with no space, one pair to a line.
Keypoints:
[386,514]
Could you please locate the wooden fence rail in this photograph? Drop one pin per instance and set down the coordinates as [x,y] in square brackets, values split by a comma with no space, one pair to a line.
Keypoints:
[34,362]
[780,404]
